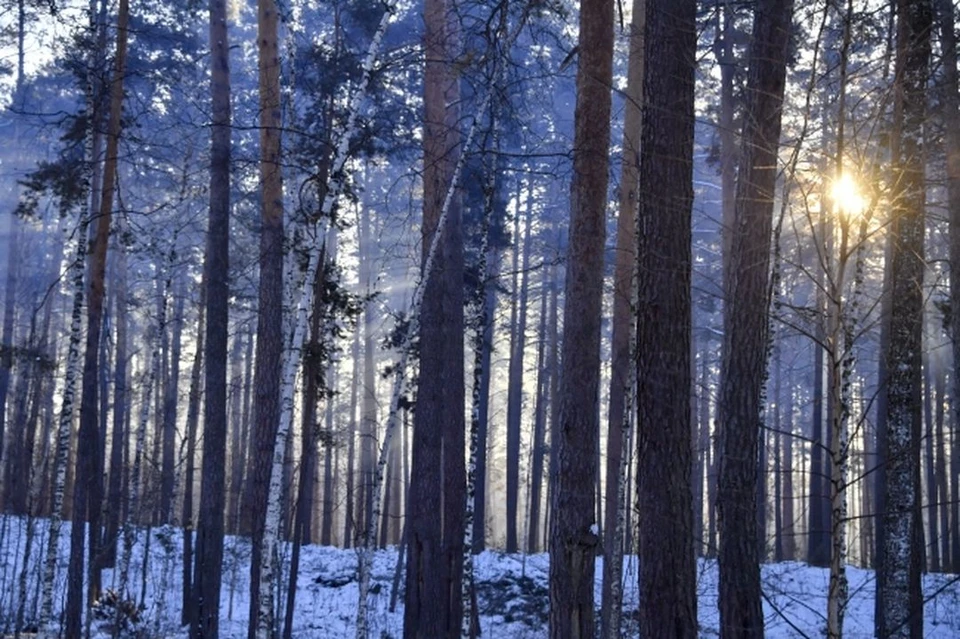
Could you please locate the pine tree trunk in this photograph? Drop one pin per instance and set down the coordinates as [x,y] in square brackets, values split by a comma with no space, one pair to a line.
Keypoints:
[950,103]
[88,486]
[270,342]
[540,414]
[209,543]
[170,401]
[900,608]
[518,330]
[573,528]
[433,604]
[187,520]
[746,326]
[667,574]
[622,371]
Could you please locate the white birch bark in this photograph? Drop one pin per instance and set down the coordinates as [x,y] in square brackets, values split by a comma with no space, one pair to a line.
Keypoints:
[46,623]
[291,365]
[466,624]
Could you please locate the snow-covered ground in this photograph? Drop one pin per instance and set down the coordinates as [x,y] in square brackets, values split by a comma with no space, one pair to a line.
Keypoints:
[512,592]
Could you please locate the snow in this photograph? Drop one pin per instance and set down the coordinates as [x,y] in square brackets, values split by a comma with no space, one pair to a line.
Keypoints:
[512,592]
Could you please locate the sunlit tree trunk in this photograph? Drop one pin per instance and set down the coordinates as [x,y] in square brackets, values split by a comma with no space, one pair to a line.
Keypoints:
[267,374]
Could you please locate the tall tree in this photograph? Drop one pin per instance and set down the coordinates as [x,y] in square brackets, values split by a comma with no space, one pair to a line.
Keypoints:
[209,544]
[88,487]
[746,325]
[901,605]
[573,529]
[950,103]
[622,371]
[268,372]
[665,450]
[433,604]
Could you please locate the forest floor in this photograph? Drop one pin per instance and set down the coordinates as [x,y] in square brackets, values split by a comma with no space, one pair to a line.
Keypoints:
[511,593]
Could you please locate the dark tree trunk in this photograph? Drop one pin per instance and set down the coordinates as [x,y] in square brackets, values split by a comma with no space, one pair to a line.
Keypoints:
[664,447]
[483,411]
[622,371]
[268,371]
[170,401]
[209,549]
[88,485]
[547,294]
[745,343]
[950,103]
[433,605]
[518,340]
[901,609]
[573,529]
[187,520]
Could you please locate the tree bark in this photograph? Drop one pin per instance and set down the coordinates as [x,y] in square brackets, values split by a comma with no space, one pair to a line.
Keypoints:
[950,103]
[573,529]
[433,604]
[87,496]
[746,325]
[901,609]
[209,546]
[622,372]
[664,448]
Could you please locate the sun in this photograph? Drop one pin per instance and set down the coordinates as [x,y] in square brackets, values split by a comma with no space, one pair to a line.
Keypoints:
[846,196]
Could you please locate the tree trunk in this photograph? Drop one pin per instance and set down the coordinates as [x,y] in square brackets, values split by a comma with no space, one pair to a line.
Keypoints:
[573,529]
[433,604]
[667,566]
[950,103]
[170,400]
[209,546]
[622,371]
[313,381]
[746,325]
[547,293]
[88,487]
[269,366]
[188,605]
[901,610]
[518,340]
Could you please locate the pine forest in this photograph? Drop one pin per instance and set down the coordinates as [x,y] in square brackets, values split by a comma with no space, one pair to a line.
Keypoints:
[479,318]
